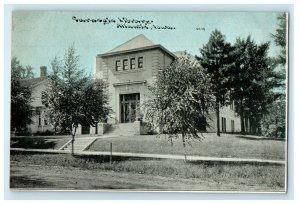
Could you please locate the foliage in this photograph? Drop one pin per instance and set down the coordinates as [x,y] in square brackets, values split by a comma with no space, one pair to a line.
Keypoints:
[280,38]
[18,72]
[73,98]
[249,81]
[274,122]
[216,57]
[95,102]
[180,99]
[21,110]
[65,90]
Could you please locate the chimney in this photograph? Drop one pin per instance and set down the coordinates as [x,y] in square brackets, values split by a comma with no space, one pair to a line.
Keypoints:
[43,71]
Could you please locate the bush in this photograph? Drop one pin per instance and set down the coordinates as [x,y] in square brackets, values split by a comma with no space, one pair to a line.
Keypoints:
[147,129]
[45,133]
[274,124]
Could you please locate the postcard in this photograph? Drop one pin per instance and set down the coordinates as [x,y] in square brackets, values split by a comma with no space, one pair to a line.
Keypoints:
[149,101]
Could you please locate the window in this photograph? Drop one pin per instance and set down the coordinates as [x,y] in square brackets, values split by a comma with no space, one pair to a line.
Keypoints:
[132,63]
[223,124]
[43,97]
[45,122]
[40,118]
[231,105]
[125,64]
[118,65]
[140,62]
[232,126]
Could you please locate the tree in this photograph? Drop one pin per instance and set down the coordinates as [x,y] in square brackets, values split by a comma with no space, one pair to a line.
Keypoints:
[216,57]
[95,102]
[21,110]
[73,98]
[180,100]
[280,38]
[28,72]
[249,82]
[19,72]
[274,122]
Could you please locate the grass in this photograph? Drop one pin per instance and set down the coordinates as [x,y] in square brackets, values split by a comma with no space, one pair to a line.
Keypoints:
[270,177]
[38,142]
[212,145]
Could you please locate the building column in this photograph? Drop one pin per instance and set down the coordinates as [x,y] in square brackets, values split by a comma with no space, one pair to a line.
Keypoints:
[100,129]
[79,130]
[92,130]
[137,127]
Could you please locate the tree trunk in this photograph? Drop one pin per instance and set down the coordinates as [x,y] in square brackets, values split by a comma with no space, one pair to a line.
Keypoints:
[218,117]
[73,139]
[183,143]
[242,123]
[241,113]
[250,126]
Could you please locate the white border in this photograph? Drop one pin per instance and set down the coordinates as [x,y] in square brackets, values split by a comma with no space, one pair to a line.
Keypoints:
[143,196]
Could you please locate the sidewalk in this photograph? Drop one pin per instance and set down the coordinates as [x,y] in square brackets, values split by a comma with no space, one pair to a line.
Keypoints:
[158,156]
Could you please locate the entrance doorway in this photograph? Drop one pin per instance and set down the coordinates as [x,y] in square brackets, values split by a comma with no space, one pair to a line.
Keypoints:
[85,129]
[223,124]
[129,106]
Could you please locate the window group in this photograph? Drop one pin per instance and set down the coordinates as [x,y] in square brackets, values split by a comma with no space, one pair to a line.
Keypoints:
[129,64]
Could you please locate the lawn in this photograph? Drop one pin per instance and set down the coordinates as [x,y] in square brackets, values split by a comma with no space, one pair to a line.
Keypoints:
[225,146]
[62,171]
[36,142]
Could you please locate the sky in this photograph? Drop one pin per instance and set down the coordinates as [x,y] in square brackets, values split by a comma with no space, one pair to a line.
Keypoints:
[39,36]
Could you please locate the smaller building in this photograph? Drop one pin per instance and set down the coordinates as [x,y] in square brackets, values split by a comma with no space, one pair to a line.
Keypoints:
[40,122]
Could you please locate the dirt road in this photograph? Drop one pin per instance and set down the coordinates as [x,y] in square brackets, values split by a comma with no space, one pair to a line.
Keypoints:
[70,178]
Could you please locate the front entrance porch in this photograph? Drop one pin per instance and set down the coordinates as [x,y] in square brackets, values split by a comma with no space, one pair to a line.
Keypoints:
[129,107]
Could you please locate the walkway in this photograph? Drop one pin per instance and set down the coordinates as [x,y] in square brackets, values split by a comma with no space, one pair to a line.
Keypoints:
[80,144]
[159,156]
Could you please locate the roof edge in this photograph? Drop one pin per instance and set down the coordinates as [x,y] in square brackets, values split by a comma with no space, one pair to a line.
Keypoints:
[108,54]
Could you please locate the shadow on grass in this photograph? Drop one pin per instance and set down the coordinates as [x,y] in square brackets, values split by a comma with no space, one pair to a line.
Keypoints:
[233,163]
[32,143]
[66,159]
[28,182]
[107,159]
[259,138]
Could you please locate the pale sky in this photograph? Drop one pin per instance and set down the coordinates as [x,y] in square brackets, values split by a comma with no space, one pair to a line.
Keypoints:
[39,36]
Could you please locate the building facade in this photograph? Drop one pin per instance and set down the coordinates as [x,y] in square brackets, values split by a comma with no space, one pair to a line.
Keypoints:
[130,67]
[40,122]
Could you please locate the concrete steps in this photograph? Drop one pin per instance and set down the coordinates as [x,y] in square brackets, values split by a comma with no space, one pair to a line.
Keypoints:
[121,129]
[80,144]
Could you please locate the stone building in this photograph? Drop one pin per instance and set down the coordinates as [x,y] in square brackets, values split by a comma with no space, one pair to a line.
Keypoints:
[128,68]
